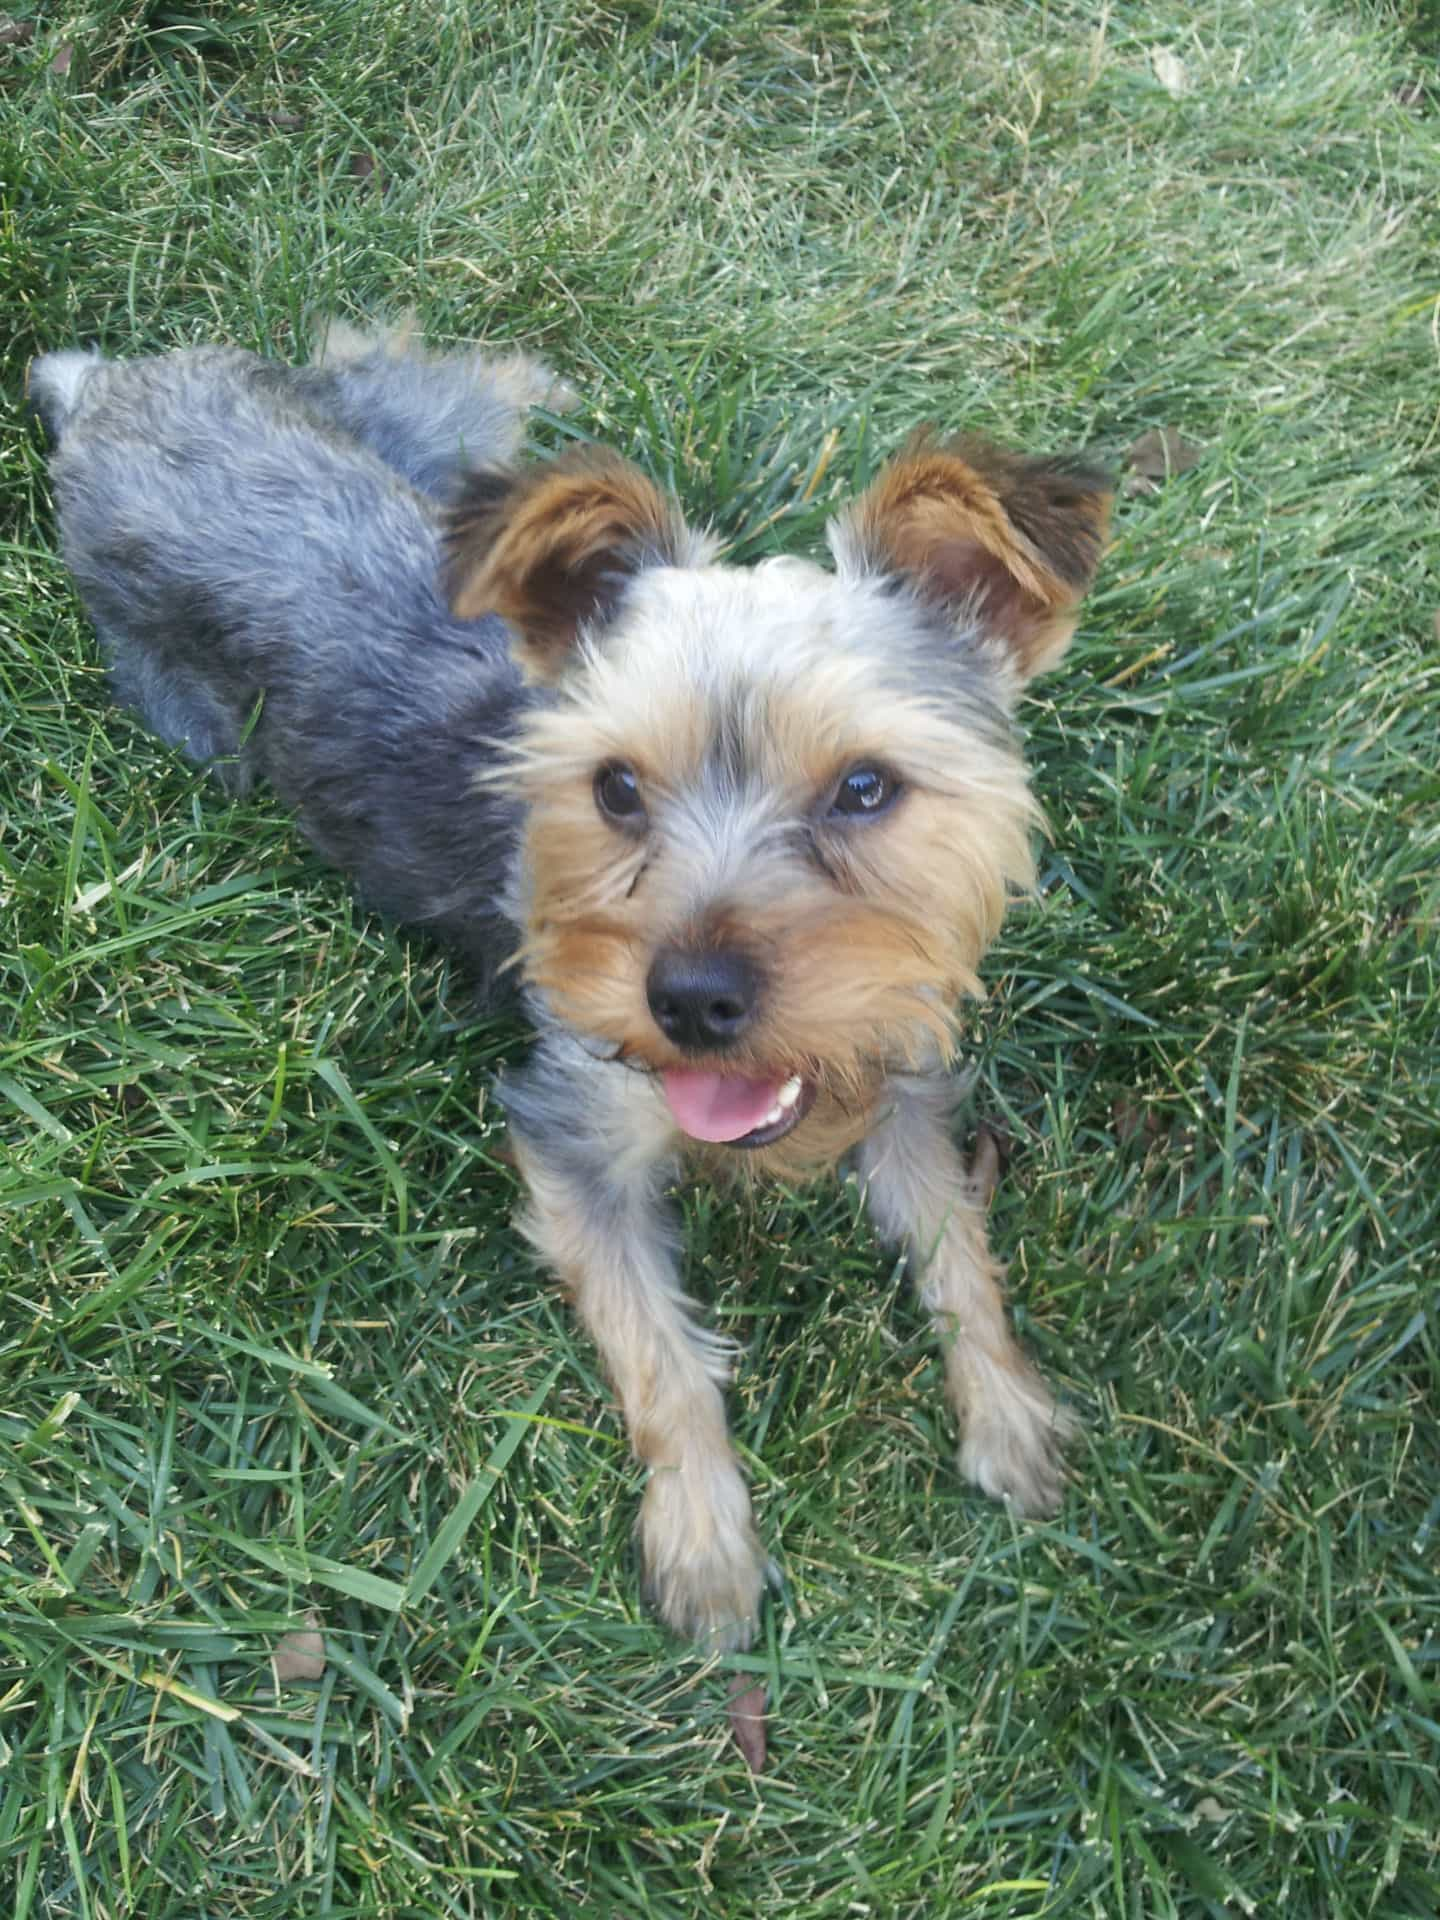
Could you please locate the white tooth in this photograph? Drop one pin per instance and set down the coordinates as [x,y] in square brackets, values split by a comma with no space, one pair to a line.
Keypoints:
[789,1093]
[776,1113]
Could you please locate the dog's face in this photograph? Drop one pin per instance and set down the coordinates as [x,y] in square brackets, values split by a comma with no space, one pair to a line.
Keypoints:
[774,814]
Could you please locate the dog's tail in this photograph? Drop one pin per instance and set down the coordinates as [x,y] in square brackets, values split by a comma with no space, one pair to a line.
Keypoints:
[55,383]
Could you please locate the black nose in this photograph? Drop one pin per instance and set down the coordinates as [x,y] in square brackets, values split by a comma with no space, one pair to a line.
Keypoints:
[703,1001]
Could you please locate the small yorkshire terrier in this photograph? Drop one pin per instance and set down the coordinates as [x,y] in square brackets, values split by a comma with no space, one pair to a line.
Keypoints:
[744,833]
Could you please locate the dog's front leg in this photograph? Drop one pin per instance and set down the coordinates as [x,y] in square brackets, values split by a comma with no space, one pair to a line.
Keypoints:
[921,1194]
[597,1217]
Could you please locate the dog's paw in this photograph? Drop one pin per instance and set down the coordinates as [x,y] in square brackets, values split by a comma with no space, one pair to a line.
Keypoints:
[1014,1439]
[705,1569]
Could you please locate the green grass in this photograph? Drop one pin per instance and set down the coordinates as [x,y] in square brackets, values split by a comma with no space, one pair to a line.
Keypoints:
[268,1345]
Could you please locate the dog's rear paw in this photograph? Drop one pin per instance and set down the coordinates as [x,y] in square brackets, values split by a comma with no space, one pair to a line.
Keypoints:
[527,382]
[338,342]
[1014,1440]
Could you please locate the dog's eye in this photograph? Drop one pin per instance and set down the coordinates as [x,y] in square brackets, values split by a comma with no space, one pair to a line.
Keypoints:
[617,794]
[864,791]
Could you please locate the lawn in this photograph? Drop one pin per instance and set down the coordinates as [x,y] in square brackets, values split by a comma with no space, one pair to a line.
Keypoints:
[272,1360]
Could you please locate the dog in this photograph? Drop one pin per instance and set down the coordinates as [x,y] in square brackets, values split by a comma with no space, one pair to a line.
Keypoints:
[739,836]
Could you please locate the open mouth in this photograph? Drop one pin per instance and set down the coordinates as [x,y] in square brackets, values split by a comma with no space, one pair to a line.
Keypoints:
[733,1110]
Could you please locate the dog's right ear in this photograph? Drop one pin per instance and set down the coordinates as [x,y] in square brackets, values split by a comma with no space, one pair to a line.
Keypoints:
[553,549]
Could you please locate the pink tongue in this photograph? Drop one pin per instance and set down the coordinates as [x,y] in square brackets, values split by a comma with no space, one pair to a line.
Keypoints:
[717,1106]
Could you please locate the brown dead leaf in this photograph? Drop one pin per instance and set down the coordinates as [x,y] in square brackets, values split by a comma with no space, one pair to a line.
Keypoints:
[300,1655]
[747,1721]
[15,33]
[64,56]
[282,122]
[1132,1121]
[1158,455]
[364,170]
[986,1164]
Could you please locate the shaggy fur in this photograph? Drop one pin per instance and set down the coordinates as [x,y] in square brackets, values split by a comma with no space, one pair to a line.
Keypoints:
[744,834]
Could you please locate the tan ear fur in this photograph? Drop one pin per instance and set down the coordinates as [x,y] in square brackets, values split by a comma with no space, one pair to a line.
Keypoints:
[972,525]
[552,547]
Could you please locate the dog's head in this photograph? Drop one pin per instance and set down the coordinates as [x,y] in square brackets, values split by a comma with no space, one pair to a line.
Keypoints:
[773,814]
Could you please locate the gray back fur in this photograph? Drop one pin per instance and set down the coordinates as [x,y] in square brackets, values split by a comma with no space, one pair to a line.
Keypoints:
[255,542]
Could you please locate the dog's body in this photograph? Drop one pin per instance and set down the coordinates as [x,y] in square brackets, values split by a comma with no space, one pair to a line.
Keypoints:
[251,536]
[747,831]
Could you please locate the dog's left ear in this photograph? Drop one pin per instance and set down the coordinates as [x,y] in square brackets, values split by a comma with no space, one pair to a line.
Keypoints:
[552,549]
[1011,542]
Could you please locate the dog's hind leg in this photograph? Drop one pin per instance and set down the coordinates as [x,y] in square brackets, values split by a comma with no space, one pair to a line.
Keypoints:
[183,708]
[434,420]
